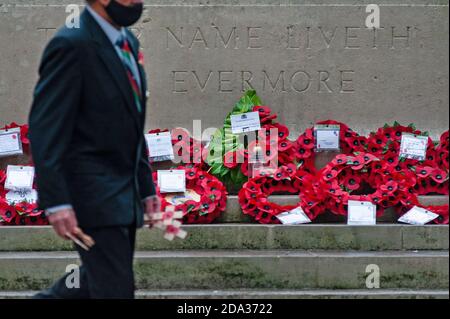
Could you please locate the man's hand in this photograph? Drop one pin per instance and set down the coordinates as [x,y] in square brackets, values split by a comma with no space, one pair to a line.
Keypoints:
[64,222]
[152,206]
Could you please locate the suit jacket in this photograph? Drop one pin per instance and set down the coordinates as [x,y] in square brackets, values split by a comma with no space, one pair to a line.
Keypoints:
[86,133]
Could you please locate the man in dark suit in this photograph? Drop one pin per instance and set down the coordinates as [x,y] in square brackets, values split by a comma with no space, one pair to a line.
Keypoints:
[88,146]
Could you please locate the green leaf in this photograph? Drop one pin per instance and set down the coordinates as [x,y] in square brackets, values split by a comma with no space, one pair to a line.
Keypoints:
[217,168]
[396,124]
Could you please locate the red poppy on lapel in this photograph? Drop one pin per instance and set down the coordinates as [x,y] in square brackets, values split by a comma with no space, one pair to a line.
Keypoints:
[141,58]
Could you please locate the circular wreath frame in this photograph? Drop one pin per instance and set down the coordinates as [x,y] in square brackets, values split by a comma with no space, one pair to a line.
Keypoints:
[347,173]
[253,197]
[212,192]
[20,214]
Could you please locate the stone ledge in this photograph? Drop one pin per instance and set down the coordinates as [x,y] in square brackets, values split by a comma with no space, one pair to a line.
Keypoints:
[235,215]
[244,269]
[270,294]
[254,236]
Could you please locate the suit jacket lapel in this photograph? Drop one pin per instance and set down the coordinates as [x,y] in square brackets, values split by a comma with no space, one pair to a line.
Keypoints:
[111,60]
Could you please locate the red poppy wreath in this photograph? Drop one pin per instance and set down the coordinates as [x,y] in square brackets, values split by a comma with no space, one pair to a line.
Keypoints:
[186,149]
[364,177]
[205,198]
[432,176]
[349,141]
[22,213]
[23,135]
[442,151]
[441,210]
[253,197]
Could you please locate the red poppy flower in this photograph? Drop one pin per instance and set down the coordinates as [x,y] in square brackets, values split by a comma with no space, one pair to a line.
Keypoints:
[303,153]
[358,162]
[207,206]
[180,134]
[341,159]
[283,131]
[7,212]
[442,211]
[192,206]
[356,142]
[392,158]
[280,174]
[342,198]
[284,145]
[368,158]
[306,142]
[230,160]
[424,171]
[439,176]
[352,182]
[328,174]
[244,169]
[409,200]
[285,158]
[191,173]
[390,187]
[265,113]
[267,218]
[290,169]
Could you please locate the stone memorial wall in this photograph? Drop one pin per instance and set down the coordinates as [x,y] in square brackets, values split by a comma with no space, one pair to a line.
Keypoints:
[308,60]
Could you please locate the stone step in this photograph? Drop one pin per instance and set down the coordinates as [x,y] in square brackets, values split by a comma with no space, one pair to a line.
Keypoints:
[244,269]
[234,213]
[271,294]
[254,236]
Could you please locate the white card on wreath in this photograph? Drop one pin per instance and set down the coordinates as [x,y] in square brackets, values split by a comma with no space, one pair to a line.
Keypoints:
[20,196]
[361,213]
[418,216]
[294,217]
[172,181]
[413,147]
[262,169]
[327,137]
[19,177]
[246,122]
[179,199]
[10,143]
[160,146]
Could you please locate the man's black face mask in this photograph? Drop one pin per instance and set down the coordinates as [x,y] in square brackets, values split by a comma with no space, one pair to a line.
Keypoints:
[122,15]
